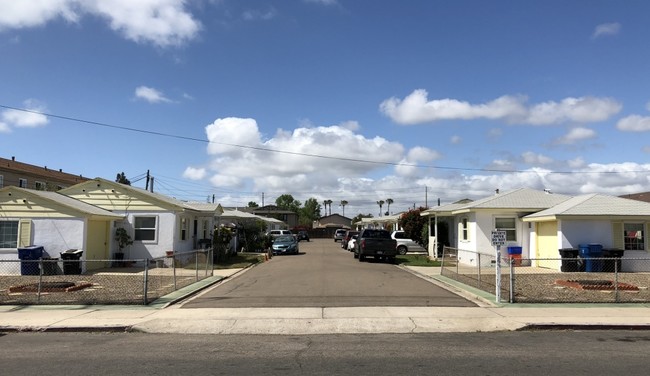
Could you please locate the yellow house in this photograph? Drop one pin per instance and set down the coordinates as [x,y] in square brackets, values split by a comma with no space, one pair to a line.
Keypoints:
[54,221]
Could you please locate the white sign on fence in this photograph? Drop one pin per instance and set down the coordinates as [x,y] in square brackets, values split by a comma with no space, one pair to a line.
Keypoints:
[498,237]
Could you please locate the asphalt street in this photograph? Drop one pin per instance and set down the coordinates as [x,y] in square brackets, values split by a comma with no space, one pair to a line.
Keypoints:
[324,275]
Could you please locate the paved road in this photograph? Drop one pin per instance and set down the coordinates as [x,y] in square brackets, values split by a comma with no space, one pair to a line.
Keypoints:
[324,275]
[504,353]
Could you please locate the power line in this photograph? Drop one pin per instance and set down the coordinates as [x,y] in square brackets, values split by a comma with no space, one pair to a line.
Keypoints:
[258,148]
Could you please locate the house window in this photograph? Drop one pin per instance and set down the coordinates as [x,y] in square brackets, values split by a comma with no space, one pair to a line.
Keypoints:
[2,181]
[464,228]
[22,183]
[39,186]
[145,228]
[183,228]
[633,236]
[8,234]
[509,226]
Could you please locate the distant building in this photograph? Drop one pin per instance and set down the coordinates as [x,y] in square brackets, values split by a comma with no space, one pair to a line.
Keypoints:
[23,175]
[645,196]
[333,221]
[273,211]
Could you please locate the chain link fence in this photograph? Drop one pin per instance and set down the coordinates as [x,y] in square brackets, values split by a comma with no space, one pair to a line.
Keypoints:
[86,282]
[552,280]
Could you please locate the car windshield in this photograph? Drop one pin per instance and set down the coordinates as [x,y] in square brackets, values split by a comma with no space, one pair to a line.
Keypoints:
[284,238]
[376,234]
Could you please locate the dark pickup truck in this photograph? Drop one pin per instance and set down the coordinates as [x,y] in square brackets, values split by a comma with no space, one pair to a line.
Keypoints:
[375,243]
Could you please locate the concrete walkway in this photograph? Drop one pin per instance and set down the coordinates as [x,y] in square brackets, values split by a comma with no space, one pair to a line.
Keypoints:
[164,317]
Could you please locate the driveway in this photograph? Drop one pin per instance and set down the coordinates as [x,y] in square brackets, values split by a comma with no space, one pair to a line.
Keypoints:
[324,275]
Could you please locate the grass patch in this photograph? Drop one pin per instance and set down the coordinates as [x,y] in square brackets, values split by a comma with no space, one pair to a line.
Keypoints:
[240,260]
[416,260]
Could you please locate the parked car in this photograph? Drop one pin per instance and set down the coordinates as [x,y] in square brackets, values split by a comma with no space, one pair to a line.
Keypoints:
[275,233]
[302,235]
[285,244]
[346,238]
[404,244]
[376,243]
[339,234]
[352,242]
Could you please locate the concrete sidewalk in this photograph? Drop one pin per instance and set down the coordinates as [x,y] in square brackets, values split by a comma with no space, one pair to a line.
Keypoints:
[162,317]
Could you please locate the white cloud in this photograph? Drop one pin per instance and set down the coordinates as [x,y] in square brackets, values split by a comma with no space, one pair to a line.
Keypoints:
[455,139]
[575,135]
[293,167]
[350,125]
[160,22]
[322,2]
[256,14]
[532,158]
[634,123]
[32,118]
[150,95]
[415,156]
[576,162]
[193,173]
[416,109]
[604,29]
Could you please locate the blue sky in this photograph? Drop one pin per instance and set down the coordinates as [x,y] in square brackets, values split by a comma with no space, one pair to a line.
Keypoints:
[453,98]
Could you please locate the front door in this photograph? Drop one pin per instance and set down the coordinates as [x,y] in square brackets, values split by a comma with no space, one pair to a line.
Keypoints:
[97,244]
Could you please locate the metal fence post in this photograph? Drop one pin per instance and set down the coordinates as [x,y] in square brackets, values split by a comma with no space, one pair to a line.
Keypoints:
[174,269]
[40,279]
[512,281]
[146,280]
[478,267]
[616,297]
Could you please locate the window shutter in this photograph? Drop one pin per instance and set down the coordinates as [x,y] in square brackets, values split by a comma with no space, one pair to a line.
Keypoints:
[25,233]
[617,235]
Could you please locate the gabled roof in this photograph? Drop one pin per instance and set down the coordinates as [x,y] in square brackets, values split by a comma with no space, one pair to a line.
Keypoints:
[643,196]
[593,205]
[44,172]
[63,200]
[144,194]
[522,198]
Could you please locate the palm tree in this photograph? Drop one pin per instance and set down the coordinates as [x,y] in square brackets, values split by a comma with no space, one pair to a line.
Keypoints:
[380,203]
[388,202]
[343,203]
[328,202]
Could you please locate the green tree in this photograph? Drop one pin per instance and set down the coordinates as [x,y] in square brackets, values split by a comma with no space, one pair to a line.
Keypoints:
[309,212]
[388,202]
[412,223]
[121,178]
[381,204]
[287,202]
[253,204]
[360,216]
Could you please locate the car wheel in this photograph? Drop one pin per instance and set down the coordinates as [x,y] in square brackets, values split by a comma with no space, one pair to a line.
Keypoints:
[354,254]
[361,257]
[392,260]
[402,250]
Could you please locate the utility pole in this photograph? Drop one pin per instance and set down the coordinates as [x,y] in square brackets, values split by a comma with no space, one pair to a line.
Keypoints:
[426,196]
[213,198]
[151,187]
[262,199]
[146,187]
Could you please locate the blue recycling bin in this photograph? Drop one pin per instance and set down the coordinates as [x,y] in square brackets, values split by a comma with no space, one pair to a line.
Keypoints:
[514,250]
[592,254]
[29,259]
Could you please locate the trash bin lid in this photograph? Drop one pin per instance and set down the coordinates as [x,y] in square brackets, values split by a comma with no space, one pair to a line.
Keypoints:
[73,252]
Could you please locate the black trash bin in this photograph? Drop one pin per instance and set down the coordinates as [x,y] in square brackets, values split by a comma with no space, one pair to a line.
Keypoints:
[569,259]
[29,259]
[71,261]
[612,262]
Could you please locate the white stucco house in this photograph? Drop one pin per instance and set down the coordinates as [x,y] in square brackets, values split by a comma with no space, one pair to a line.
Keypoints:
[156,223]
[542,223]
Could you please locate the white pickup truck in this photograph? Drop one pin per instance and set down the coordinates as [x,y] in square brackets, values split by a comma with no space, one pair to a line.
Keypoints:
[404,244]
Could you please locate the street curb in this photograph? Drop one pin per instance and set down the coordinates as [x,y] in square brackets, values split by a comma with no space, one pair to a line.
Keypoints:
[581,327]
[86,329]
